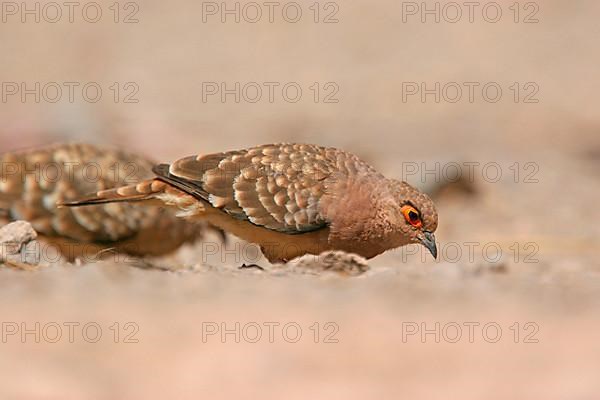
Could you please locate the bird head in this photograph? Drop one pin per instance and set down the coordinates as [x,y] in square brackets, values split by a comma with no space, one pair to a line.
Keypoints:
[416,216]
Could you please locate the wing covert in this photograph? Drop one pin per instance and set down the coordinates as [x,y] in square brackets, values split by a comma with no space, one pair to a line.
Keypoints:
[277,186]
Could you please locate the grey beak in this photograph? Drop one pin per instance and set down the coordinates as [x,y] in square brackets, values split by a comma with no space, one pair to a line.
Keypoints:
[429,242]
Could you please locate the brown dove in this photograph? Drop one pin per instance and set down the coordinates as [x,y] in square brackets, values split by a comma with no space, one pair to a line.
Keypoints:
[33,181]
[291,199]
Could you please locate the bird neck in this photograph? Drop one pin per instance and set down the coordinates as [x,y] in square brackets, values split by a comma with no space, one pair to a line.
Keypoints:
[365,219]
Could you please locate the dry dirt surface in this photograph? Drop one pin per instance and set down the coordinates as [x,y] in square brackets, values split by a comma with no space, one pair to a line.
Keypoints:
[511,308]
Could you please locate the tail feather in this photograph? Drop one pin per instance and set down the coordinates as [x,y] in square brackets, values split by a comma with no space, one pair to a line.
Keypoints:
[144,190]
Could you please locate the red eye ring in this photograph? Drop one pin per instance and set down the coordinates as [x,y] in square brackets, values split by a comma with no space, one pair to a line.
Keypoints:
[412,216]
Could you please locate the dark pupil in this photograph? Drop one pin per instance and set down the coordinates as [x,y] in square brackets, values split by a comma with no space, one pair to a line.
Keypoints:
[413,216]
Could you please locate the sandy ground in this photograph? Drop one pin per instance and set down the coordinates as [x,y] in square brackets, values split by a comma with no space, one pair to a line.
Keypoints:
[477,323]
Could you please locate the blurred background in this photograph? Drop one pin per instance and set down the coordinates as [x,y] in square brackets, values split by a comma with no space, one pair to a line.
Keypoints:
[507,91]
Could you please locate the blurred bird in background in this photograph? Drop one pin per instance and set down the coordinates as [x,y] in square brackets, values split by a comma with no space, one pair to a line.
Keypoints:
[33,181]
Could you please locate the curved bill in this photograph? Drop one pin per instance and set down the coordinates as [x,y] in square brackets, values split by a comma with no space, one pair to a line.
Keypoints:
[429,242]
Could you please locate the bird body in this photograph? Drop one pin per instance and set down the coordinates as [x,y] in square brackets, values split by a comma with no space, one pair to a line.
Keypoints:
[291,199]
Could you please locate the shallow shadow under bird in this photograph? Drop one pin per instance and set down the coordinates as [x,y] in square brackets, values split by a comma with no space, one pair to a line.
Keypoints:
[291,199]
[33,181]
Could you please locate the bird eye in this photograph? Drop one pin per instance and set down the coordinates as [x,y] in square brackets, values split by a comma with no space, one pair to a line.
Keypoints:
[412,216]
